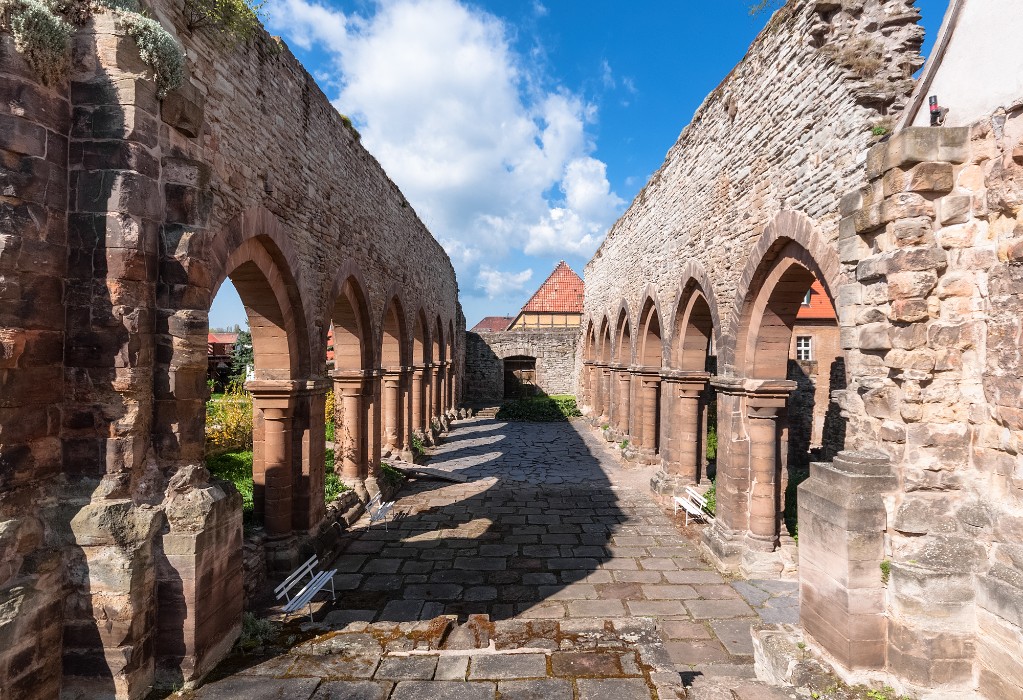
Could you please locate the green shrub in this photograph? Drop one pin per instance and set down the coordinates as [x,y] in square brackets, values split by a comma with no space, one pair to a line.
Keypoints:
[886,571]
[544,409]
[418,446]
[257,632]
[42,37]
[229,421]
[712,498]
[236,19]
[333,487]
[235,467]
[392,476]
[157,48]
[328,431]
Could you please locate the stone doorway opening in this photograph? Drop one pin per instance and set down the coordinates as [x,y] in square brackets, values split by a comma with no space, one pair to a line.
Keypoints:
[519,376]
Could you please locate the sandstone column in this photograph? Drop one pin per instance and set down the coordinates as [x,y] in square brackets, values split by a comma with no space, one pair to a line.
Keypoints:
[392,409]
[348,390]
[623,407]
[372,400]
[436,384]
[272,483]
[417,399]
[692,438]
[648,397]
[605,393]
[308,444]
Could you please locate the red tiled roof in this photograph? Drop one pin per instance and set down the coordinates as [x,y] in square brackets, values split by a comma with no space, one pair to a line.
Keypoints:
[561,293]
[819,307]
[492,324]
[230,338]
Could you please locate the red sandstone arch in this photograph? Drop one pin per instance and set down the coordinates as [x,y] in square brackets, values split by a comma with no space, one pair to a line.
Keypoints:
[647,392]
[350,319]
[651,346]
[696,323]
[393,337]
[621,350]
[449,396]
[791,236]
[393,344]
[605,340]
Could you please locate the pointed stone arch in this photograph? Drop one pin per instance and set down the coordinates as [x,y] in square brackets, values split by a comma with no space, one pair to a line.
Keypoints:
[646,421]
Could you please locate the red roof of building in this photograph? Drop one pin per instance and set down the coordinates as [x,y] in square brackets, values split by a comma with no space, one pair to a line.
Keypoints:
[561,293]
[229,338]
[493,324]
[819,308]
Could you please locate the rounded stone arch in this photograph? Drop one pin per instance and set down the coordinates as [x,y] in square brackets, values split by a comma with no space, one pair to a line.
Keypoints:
[394,345]
[420,338]
[589,341]
[605,340]
[695,281]
[622,334]
[650,340]
[257,240]
[353,330]
[438,341]
[781,268]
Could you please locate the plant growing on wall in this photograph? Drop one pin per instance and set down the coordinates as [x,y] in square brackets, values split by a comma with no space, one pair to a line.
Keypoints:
[41,36]
[236,19]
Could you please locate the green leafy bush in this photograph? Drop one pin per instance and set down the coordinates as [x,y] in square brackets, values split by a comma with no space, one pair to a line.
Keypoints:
[543,409]
[418,446]
[392,476]
[712,498]
[40,35]
[229,421]
[332,484]
[235,467]
[157,48]
[237,19]
[257,632]
[712,442]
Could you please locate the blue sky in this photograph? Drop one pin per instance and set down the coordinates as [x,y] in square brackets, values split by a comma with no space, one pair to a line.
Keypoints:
[518,129]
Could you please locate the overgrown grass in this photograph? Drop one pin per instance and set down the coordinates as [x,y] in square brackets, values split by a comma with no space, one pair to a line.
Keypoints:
[332,484]
[543,409]
[235,467]
[712,498]
[712,442]
[328,429]
[392,476]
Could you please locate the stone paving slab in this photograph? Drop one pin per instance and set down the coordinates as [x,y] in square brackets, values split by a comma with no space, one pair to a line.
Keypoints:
[549,573]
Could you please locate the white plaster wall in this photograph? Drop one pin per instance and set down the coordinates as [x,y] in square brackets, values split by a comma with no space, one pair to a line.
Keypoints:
[982,67]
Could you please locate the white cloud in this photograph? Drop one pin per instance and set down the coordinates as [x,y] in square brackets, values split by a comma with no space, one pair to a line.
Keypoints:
[469,129]
[501,284]
[539,9]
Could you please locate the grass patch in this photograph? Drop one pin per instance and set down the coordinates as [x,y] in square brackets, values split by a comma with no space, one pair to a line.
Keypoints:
[712,498]
[392,476]
[235,467]
[329,431]
[542,409]
[332,484]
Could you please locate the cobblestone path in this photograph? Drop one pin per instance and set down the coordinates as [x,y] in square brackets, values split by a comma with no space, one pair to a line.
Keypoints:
[550,574]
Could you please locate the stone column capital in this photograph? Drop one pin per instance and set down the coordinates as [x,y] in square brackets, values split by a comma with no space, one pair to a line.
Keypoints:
[269,394]
[744,386]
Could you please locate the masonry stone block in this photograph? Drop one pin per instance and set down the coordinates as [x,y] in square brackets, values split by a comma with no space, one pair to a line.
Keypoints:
[921,144]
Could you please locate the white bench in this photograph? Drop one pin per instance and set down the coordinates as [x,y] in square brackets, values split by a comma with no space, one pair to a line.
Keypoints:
[694,505]
[317,582]
[380,512]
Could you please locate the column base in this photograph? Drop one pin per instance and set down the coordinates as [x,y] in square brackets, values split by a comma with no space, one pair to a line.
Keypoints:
[667,484]
[372,485]
[723,548]
[358,486]
[281,553]
[760,558]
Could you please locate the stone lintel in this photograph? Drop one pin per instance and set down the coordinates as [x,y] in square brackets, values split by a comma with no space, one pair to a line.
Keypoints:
[744,386]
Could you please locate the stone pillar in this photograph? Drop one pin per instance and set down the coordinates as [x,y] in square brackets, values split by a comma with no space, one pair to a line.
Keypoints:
[308,444]
[841,586]
[348,430]
[766,415]
[751,454]
[392,409]
[623,408]
[436,384]
[648,396]
[272,402]
[417,398]
[586,388]
[372,400]
[605,393]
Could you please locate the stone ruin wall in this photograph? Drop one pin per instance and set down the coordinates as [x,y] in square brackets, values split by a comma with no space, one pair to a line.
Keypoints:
[932,326]
[756,146]
[554,350]
[120,216]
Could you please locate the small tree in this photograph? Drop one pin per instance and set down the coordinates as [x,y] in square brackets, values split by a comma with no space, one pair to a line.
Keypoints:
[241,357]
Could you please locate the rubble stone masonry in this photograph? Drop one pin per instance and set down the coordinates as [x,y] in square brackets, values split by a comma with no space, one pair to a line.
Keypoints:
[120,216]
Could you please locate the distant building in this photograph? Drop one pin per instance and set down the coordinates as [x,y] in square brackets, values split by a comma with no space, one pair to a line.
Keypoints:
[219,351]
[531,352]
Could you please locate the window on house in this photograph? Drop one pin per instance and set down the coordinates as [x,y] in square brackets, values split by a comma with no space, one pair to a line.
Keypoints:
[806,299]
[804,348]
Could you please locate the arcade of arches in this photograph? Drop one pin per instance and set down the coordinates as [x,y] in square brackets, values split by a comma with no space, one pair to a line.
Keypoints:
[120,558]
